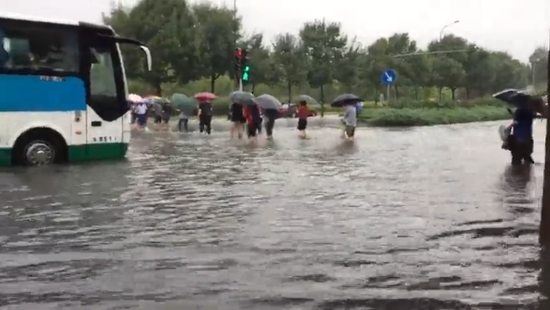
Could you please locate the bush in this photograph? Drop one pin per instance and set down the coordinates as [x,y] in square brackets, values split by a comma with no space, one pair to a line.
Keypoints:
[404,117]
[411,104]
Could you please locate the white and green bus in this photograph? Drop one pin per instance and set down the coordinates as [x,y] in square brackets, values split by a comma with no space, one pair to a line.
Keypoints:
[63,92]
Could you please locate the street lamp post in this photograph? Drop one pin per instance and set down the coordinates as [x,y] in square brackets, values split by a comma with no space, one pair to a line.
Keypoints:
[444,27]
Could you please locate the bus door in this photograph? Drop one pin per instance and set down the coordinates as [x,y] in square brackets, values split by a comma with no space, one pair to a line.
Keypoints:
[106,102]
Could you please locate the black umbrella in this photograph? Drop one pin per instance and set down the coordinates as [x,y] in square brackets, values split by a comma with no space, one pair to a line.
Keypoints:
[345,99]
[240,96]
[513,97]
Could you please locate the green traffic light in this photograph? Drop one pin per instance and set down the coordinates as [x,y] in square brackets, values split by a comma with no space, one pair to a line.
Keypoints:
[245,73]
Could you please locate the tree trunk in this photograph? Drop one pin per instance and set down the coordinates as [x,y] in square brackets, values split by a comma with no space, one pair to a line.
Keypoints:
[453,91]
[253,87]
[396,88]
[289,89]
[158,87]
[467,93]
[322,101]
[213,83]
[416,93]
[440,93]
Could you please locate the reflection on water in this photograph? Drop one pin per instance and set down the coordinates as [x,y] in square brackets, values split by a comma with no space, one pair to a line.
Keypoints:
[428,218]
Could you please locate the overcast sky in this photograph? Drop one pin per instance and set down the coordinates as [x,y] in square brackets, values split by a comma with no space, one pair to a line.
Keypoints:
[516,26]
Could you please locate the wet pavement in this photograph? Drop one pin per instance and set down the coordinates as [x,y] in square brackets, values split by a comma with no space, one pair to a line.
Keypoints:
[423,218]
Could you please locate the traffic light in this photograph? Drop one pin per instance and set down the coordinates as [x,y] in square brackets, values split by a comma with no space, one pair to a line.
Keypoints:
[238,60]
[245,66]
[246,73]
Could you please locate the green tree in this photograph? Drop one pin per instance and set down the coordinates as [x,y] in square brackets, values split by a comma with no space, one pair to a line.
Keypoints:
[417,69]
[290,61]
[538,62]
[401,44]
[218,30]
[324,45]
[164,35]
[480,71]
[509,72]
[193,46]
[452,47]
[375,63]
[447,72]
[346,70]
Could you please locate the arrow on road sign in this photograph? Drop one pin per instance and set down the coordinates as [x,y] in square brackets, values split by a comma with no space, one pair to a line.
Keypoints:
[388,77]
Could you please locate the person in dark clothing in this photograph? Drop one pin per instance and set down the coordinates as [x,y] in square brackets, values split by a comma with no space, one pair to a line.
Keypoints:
[271,115]
[238,120]
[166,112]
[520,142]
[252,115]
[157,107]
[205,116]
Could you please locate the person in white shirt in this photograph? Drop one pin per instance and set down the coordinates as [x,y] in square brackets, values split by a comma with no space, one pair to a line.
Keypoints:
[350,119]
[141,114]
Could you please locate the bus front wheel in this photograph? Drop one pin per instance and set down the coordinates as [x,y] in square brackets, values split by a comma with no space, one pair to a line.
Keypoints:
[38,148]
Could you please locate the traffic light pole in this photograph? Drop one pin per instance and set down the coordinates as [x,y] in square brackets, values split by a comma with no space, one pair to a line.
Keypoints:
[241,84]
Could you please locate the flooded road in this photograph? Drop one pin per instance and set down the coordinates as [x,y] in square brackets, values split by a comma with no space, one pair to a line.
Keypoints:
[424,218]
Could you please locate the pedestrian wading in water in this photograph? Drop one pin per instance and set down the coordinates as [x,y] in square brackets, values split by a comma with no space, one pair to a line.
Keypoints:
[237,119]
[157,108]
[253,120]
[520,141]
[183,123]
[270,116]
[205,116]
[350,120]
[302,119]
[167,111]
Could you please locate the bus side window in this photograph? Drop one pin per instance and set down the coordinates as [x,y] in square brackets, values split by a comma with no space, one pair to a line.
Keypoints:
[102,75]
[4,48]
[33,47]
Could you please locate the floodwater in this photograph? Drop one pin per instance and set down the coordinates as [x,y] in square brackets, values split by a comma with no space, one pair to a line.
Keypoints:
[423,218]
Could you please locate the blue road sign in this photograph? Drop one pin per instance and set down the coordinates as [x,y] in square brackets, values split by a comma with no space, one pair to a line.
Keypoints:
[388,77]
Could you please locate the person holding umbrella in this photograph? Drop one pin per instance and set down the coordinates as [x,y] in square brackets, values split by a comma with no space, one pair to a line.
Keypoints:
[253,119]
[205,111]
[270,106]
[167,111]
[348,102]
[237,113]
[519,140]
[157,108]
[185,106]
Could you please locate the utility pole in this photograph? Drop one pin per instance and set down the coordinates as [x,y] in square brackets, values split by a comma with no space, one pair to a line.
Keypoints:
[238,76]
[544,229]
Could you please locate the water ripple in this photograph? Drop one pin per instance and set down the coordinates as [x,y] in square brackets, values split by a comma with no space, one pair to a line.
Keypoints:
[428,218]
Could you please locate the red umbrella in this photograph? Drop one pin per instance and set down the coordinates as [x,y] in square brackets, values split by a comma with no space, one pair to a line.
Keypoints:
[206,96]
